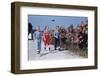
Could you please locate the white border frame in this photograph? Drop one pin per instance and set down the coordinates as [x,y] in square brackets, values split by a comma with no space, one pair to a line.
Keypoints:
[25,64]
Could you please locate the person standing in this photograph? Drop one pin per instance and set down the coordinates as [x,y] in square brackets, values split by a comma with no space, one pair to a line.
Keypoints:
[37,38]
[57,38]
[46,38]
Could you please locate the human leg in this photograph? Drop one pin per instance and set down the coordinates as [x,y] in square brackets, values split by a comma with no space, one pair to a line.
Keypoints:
[39,46]
[55,43]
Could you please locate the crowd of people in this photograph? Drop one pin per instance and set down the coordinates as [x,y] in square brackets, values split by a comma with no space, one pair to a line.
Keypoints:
[61,37]
[75,36]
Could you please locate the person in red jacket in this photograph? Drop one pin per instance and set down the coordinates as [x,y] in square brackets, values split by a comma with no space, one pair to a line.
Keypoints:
[46,38]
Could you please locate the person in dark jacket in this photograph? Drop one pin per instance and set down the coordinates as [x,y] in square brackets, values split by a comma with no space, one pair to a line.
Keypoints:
[57,38]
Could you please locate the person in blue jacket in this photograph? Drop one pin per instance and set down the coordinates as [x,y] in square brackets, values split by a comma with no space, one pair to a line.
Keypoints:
[37,38]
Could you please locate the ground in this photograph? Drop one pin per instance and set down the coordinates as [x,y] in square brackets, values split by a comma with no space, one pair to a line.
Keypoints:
[49,55]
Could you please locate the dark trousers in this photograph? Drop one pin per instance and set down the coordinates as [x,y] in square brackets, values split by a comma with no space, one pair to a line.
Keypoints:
[57,42]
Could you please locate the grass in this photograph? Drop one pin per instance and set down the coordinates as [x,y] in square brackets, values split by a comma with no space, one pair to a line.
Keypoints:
[81,52]
[74,48]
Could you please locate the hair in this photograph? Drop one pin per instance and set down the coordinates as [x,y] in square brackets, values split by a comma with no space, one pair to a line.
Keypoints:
[29,27]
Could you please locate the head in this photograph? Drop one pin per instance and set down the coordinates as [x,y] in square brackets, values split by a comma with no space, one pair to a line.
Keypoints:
[70,28]
[46,28]
[82,23]
[37,28]
[57,27]
[84,29]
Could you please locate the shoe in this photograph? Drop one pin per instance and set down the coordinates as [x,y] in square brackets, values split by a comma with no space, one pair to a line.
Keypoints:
[45,48]
[49,49]
[60,49]
[38,52]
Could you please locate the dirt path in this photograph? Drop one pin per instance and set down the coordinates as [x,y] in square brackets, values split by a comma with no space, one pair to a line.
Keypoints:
[49,55]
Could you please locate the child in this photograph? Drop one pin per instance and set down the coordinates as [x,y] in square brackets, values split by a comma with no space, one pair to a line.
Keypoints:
[46,38]
[37,37]
[57,38]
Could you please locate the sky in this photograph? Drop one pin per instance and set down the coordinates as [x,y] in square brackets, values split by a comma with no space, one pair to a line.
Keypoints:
[53,21]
